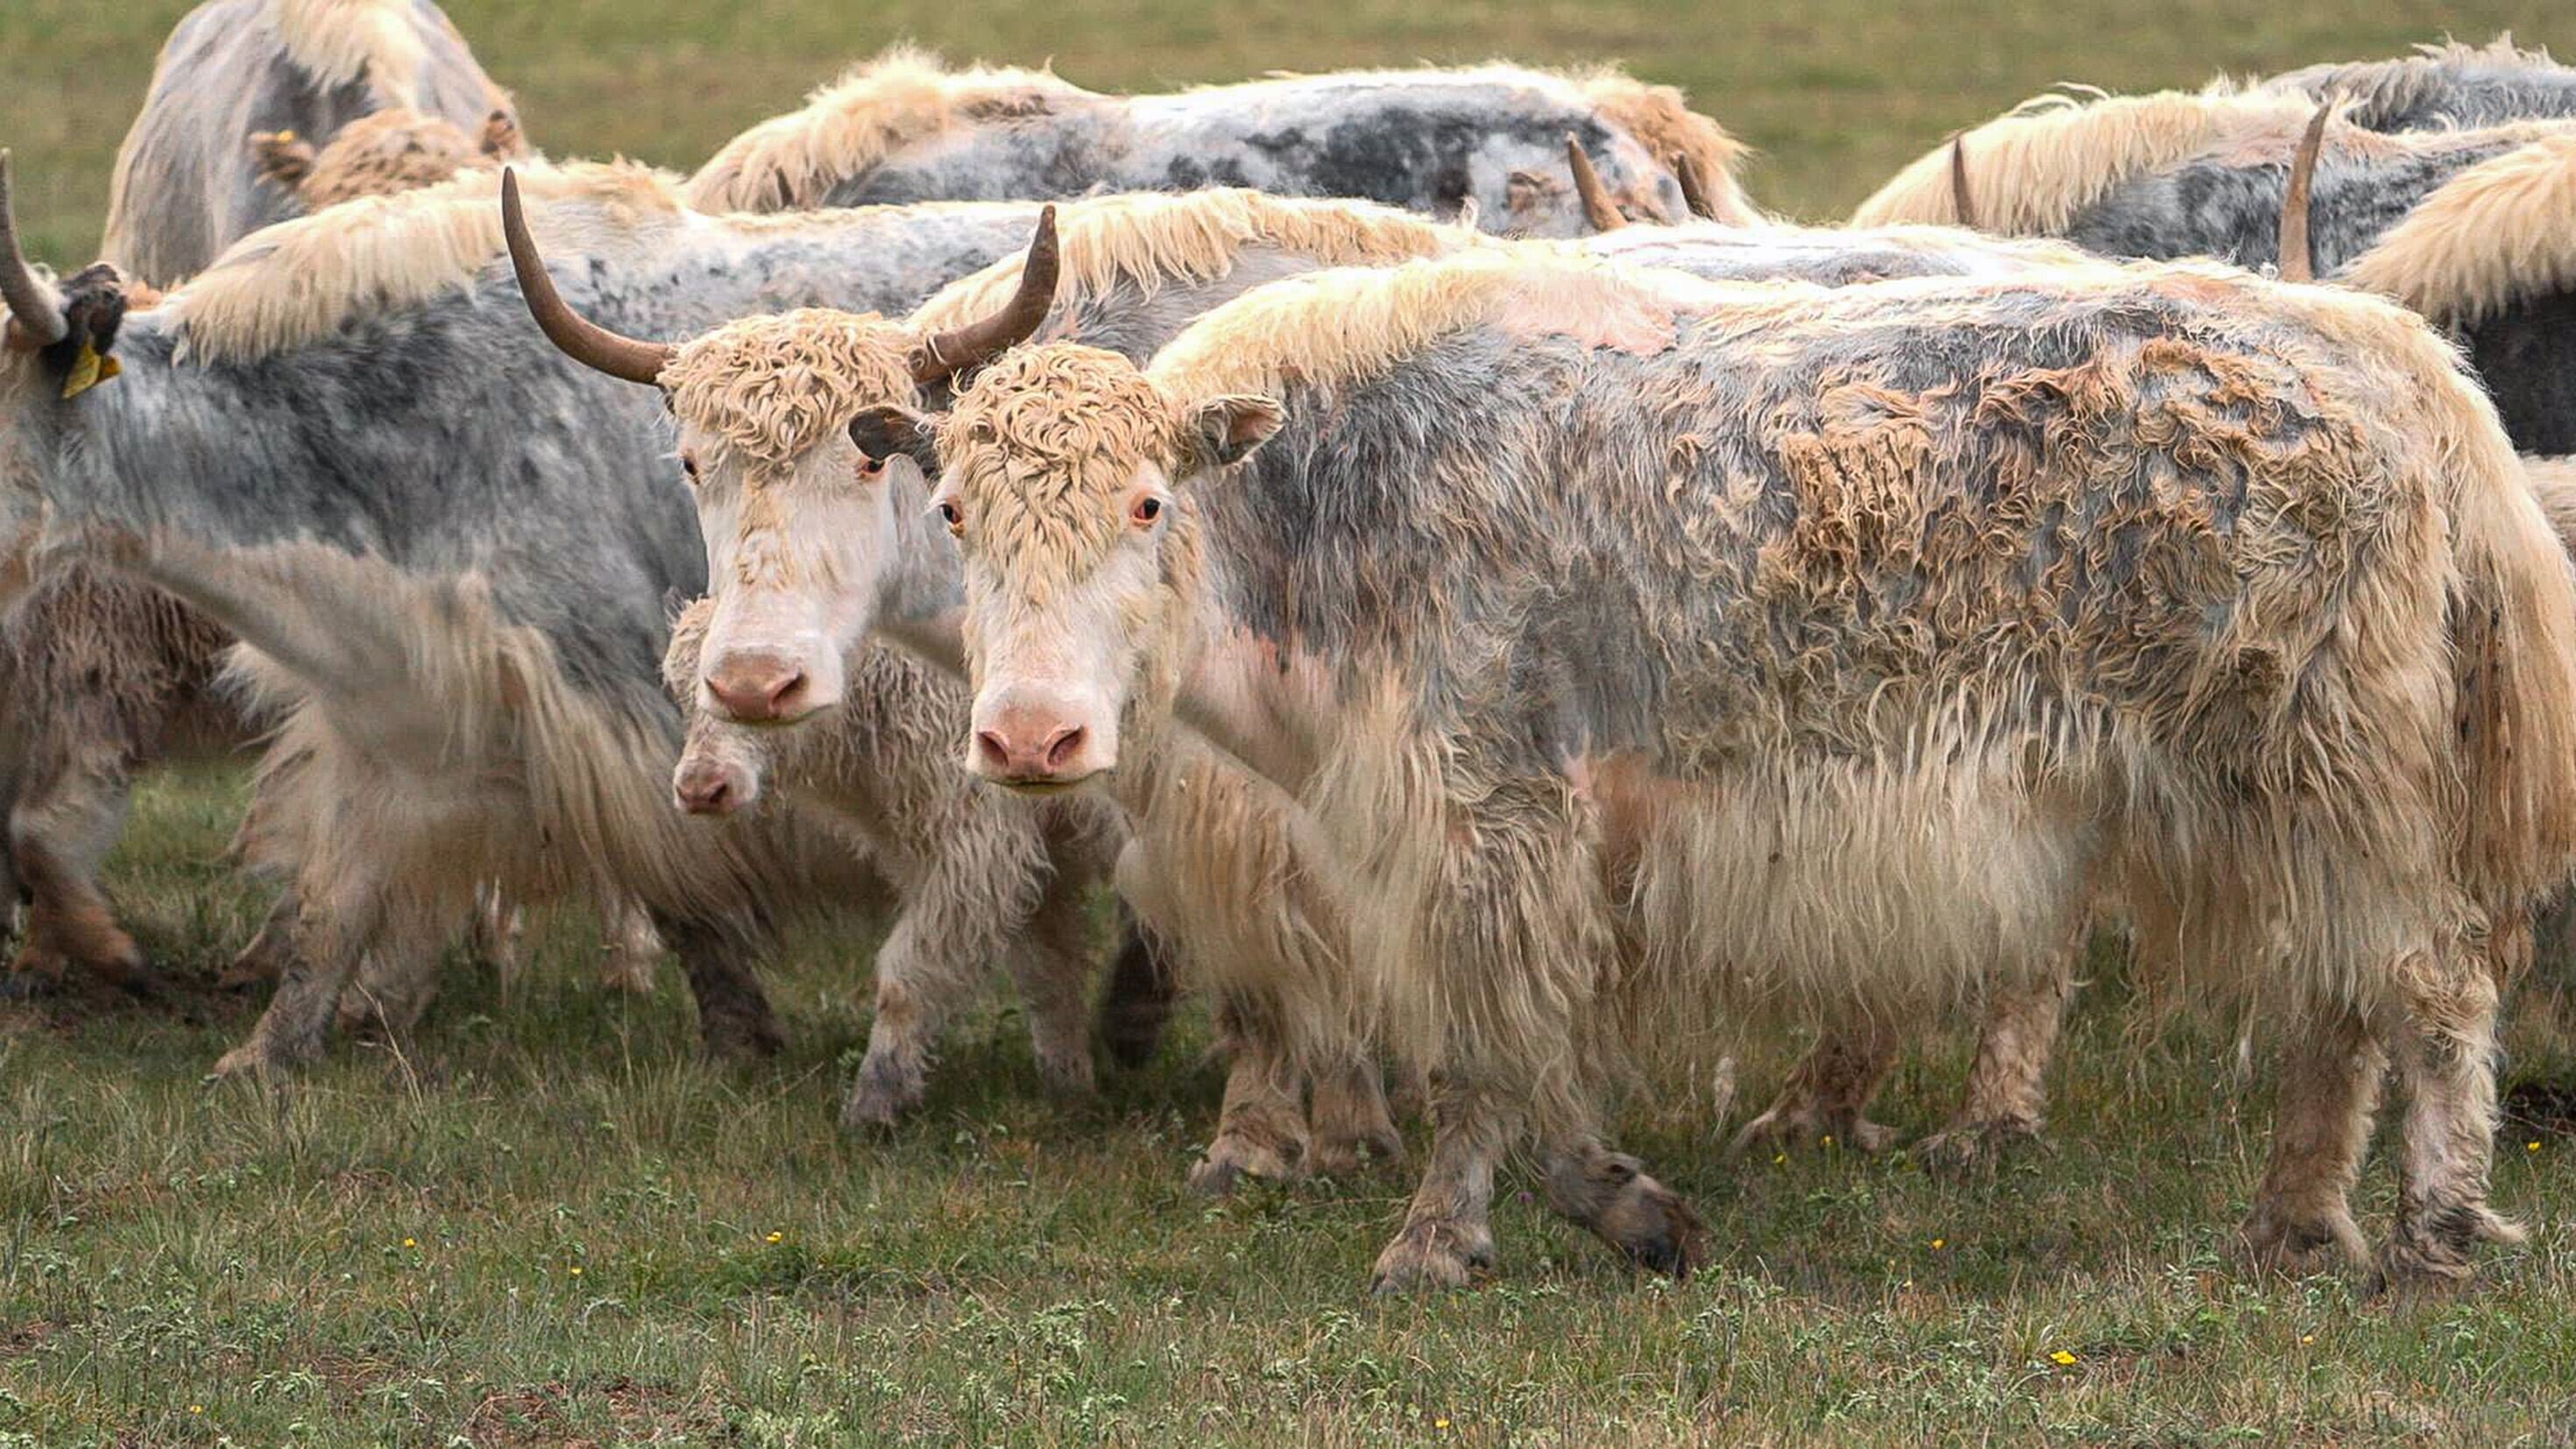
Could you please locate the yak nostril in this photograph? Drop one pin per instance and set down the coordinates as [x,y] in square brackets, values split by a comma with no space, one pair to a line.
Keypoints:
[1061,749]
[786,689]
[996,753]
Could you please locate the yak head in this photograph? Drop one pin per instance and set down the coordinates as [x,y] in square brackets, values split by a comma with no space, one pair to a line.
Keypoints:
[809,506]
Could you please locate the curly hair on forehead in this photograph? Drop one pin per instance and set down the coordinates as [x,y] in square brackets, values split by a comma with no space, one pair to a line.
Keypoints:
[770,388]
[1047,438]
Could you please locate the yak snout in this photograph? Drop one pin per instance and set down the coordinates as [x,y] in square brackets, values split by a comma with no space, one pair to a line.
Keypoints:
[702,786]
[1028,740]
[758,686]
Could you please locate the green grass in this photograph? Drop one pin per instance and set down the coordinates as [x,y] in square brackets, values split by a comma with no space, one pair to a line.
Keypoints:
[544,1219]
[387,1251]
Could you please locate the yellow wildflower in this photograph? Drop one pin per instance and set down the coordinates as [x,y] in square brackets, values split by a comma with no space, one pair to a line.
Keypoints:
[576,1272]
[2062,1359]
[2307,1338]
[778,1237]
[1939,1243]
[196,1408]
[411,1242]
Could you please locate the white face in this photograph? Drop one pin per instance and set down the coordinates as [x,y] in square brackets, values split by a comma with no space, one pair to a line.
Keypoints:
[1065,605]
[719,770]
[796,567]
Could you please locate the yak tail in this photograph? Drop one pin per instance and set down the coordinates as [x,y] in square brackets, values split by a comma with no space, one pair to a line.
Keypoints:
[2513,609]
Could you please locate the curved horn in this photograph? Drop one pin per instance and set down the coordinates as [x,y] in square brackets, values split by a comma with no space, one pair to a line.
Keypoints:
[35,308]
[945,354]
[1598,208]
[582,340]
[2297,264]
[1960,201]
[1694,181]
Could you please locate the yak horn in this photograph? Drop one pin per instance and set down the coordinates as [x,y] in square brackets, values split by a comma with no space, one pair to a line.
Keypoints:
[1960,201]
[2297,265]
[944,355]
[35,308]
[1694,180]
[1598,208]
[582,340]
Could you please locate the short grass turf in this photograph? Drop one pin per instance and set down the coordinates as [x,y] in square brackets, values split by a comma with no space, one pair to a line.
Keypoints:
[543,1220]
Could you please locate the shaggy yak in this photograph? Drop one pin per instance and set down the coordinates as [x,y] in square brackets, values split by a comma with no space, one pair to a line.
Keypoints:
[1646,644]
[103,672]
[446,550]
[1479,143]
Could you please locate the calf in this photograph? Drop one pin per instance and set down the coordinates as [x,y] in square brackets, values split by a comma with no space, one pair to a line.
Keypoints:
[981,876]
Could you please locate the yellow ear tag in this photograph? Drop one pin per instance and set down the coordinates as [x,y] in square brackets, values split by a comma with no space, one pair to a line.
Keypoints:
[89,369]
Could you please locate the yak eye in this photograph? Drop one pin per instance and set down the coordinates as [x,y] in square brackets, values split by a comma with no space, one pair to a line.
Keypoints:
[949,515]
[689,464]
[1147,509]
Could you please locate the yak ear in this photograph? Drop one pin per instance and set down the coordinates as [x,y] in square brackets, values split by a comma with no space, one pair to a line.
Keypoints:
[1225,430]
[883,433]
[283,157]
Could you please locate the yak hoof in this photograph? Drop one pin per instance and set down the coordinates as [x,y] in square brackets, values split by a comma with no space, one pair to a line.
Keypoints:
[2273,1243]
[1434,1254]
[879,1100]
[251,1061]
[1801,1126]
[1340,1154]
[1974,1149]
[1233,1157]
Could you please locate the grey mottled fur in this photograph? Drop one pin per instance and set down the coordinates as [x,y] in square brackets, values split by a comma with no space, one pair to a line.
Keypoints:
[1429,143]
[2443,87]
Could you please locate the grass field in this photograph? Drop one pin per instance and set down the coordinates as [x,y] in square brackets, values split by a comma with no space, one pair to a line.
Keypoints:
[543,1220]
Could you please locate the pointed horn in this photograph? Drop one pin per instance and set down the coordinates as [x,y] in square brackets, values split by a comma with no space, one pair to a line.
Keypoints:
[1960,201]
[1695,192]
[2297,263]
[1598,208]
[582,340]
[946,354]
[35,308]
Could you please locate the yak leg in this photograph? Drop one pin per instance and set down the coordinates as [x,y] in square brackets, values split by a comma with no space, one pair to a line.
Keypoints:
[734,1018]
[1829,1090]
[2445,1056]
[493,936]
[929,963]
[1520,931]
[1052,965]
[332,934]
[1261,1129]
[61,827]
[1348,1116]
[2302,1215]
[630,949]
[2006,1098]
[1448,1233]
[1136,1004]
[265,958]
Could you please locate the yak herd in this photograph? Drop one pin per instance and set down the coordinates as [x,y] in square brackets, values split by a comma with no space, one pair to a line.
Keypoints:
[1492,605]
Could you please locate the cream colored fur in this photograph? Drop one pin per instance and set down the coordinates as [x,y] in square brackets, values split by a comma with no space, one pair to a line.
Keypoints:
[1661,119]
[2033,169]
[301,280]
[2496,234]
[1150,239]
[903,96]
[340,41]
